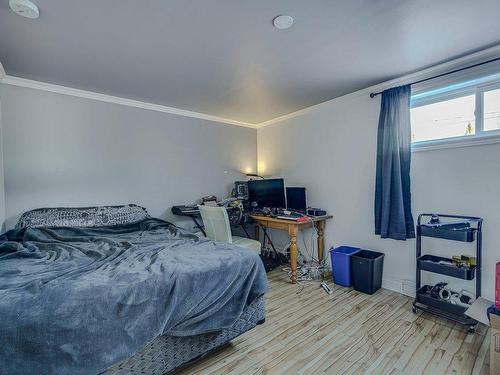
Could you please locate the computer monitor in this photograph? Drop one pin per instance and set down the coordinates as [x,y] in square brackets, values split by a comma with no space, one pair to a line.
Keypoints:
[296,199]
[267,193]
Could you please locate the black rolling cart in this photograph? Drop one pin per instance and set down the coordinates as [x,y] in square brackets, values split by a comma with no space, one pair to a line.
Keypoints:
[460,228]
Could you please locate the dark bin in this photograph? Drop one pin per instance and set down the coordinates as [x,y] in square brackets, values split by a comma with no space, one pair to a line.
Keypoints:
[367,268]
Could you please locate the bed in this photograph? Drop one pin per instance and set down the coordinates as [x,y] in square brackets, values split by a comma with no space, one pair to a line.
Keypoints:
[111,290]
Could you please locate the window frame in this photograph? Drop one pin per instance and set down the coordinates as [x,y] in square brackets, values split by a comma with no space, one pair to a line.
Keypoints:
[481,136]
[480,104]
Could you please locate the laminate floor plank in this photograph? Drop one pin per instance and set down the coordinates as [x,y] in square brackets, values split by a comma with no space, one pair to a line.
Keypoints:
[347,332]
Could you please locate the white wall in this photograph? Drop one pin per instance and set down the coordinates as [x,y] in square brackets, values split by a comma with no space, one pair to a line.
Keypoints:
[61,150]
[331,149]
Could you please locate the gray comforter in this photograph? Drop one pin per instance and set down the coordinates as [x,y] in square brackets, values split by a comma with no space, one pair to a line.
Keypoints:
[77,300]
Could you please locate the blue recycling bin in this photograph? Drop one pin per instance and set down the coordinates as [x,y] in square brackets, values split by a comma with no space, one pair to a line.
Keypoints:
[341,264]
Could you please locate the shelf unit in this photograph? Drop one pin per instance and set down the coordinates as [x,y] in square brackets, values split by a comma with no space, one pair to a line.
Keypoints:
[428,262]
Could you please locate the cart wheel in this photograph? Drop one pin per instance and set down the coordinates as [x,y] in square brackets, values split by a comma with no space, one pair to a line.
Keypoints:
[414,309]
[471,329]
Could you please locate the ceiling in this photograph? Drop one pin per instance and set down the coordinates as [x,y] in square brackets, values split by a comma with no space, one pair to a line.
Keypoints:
[224,58]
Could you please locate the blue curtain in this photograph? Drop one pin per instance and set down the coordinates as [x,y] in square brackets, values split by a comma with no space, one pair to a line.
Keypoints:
[393,217]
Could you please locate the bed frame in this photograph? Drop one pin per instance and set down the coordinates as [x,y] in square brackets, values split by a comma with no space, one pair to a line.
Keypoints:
[166,354]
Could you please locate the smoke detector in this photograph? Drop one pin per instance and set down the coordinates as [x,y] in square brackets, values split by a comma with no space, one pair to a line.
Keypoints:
[24,8]
[283,22]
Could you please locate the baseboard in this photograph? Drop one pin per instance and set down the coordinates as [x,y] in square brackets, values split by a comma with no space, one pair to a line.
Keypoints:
[406,287]
[391,284]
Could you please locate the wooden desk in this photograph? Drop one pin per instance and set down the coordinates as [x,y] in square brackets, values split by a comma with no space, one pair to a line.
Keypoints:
[293,227]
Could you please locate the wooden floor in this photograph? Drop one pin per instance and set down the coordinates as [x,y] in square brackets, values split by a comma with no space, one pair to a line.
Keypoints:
[347,333]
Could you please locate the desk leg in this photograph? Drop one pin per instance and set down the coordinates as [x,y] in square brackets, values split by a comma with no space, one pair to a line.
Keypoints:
[292,231]
[257,232]
[320,227]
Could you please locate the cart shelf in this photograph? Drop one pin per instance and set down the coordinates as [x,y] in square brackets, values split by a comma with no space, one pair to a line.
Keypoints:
[424,297]
[456,232]
[444,266]
[461,319]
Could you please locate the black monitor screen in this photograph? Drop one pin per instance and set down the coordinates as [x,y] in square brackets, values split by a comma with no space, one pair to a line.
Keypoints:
[267,193]
[296,198]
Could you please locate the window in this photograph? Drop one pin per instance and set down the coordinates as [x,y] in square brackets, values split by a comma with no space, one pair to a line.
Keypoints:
[492,110]
[456,113]
[446,119]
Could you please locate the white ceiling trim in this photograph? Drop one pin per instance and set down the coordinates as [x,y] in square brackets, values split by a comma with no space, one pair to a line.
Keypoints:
[429,72]
[22,82]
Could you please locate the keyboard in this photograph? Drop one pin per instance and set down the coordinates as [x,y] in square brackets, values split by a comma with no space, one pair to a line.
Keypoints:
[185,210]
[292,216]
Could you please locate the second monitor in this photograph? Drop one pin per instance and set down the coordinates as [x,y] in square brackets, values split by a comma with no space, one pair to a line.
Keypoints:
[296,199]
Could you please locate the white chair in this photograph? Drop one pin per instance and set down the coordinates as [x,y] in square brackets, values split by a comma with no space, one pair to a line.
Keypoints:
[218,229]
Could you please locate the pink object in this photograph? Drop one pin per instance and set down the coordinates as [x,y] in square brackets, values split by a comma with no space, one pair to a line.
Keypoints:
[497,286]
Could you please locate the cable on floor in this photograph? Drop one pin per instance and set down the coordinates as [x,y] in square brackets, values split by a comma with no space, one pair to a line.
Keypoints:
[312,270]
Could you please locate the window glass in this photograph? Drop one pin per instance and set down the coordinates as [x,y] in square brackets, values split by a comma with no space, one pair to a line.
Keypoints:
[445,119]
[492,110]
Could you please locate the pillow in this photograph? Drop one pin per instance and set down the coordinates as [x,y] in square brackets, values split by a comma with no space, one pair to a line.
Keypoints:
[82,216]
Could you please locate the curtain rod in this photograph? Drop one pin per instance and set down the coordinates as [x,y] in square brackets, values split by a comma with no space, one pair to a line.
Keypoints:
[374,94]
